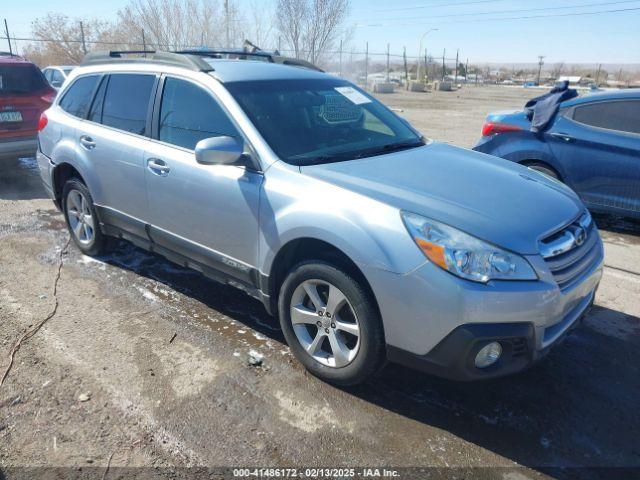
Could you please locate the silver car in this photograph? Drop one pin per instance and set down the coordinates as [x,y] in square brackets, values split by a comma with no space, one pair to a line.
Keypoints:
[369,241]
[57,74]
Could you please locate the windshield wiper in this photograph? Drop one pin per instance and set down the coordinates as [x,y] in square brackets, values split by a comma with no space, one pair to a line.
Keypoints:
[354,155]
[395,147]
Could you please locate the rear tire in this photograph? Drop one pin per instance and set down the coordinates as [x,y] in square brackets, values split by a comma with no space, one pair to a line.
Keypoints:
[331,324]
[543,168]
[82,221]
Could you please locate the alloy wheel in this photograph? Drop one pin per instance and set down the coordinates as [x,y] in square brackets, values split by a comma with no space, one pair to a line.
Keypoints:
[80,218]
[325,323]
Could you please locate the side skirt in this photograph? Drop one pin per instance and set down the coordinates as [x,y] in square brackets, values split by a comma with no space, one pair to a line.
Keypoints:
[212,265]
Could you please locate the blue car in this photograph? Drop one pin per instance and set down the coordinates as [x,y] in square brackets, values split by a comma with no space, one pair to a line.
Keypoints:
[592,144]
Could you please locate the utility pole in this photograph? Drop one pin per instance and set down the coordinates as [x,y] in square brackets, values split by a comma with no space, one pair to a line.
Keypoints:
[144,43]
[406,70]
[6,29]
[444,68]
[540,64]
[388,46]
[366,66]
[466,71]
[226,21]
[455,78]
[84,45]
[426,65]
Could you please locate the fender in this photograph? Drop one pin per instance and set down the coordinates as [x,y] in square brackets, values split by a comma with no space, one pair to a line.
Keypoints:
[65,153]
[369,232]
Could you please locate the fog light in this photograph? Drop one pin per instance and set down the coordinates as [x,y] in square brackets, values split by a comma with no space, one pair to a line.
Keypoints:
[488,355]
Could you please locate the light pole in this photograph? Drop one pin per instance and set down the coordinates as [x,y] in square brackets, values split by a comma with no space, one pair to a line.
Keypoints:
[420,50]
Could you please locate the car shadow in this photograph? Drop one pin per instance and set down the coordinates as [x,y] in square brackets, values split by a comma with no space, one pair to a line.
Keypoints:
[616,224]
[577,408]
[20,179]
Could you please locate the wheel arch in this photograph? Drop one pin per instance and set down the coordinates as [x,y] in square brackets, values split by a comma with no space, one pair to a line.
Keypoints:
[61,174]
[542,163]
[306,249]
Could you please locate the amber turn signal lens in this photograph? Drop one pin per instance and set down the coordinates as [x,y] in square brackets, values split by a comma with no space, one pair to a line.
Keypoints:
[434,252]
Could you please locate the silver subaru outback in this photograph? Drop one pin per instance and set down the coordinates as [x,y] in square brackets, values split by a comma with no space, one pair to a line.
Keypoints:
[367,240]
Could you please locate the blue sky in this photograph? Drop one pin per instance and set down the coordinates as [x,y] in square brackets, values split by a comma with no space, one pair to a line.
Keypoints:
[469,25]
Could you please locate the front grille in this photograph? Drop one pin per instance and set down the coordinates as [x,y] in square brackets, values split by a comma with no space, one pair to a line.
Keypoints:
[567,259]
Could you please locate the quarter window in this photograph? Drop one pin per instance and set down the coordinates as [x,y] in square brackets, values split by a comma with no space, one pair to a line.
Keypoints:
[57,79]
[95,114]
[621,115]
[126,102]
[78,97]
[188,114]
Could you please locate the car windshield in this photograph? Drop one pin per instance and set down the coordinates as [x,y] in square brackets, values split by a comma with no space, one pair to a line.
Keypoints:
[20,79]
[307,122]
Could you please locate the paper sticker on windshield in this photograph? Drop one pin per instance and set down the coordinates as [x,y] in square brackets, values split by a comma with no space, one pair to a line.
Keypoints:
[353,95]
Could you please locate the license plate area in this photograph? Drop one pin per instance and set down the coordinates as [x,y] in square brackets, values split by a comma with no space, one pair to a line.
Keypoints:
[8,117]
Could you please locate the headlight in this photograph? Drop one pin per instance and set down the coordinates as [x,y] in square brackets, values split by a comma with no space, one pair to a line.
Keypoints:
[463,255]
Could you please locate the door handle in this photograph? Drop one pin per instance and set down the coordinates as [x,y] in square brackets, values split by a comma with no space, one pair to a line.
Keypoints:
[158,167]
[87,142]
[562,136]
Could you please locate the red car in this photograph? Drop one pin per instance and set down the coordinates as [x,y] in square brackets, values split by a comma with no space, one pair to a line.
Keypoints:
[24,95]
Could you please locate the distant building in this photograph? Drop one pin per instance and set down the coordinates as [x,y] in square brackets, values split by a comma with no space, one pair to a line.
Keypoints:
[572,79]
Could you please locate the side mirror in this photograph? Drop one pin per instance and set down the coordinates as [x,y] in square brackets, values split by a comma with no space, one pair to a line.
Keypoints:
[219,150]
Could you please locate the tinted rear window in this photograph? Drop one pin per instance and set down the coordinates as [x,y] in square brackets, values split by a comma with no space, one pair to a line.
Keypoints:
[20,79]
[127,101]
[621,115]
[77,98]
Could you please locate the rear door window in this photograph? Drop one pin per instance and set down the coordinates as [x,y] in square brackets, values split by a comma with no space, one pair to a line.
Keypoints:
[188,114]
[77,98]
[620,115]
[16,79]
[126,102]
[57,79]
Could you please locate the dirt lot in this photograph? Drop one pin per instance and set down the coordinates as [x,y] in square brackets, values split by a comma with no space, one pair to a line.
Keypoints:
[145,363]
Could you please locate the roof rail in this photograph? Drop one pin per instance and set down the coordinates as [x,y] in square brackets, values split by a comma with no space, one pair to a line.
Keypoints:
[214,52]
[192,62]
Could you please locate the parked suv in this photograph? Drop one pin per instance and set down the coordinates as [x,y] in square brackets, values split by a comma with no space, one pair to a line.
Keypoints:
[367,240]
[24,95]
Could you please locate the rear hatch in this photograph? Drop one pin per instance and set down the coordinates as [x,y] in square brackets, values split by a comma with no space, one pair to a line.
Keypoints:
[24,95]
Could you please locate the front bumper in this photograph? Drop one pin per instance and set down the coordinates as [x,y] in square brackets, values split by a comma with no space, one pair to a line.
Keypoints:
[454,357]
[19,147]
[437,322]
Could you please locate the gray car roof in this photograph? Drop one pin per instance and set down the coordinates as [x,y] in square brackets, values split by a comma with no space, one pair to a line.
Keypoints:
[249,70]
[604,95]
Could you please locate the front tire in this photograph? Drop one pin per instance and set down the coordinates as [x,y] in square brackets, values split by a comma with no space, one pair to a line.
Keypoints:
[82,221]
[331,324]
[543,168]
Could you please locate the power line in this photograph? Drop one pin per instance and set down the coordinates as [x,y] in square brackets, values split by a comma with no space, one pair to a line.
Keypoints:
[437,5]
[620,10]
[540,9]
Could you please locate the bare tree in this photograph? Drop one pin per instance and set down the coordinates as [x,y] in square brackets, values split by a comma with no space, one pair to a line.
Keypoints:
[172,24]
[59,38]
[261,25]
[557,70]
[310,28]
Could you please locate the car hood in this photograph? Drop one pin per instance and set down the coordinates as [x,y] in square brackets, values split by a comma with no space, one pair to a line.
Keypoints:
[493,199]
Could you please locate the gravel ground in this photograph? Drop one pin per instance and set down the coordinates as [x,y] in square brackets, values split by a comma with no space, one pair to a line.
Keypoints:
[145,364]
